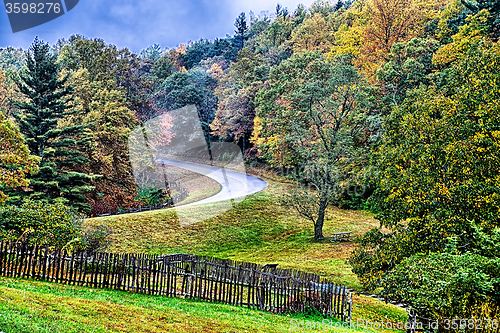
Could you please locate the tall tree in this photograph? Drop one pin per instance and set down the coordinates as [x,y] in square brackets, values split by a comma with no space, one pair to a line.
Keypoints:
[4,101]
[368,29]
[110,84]
[16,163]
[234,120]
[162,68]
[153,52]
[299,15]
[350,31]
[47,98]
[190,88]
[323,7]
[281,11]
[409,65]
[241,29]
[236,92]
[311,118]
[109,122]
[276,35]
[391,21]
[339,5]
[472,7]
[11,58]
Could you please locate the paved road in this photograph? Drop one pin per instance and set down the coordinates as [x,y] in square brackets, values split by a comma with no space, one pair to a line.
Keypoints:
[234,184]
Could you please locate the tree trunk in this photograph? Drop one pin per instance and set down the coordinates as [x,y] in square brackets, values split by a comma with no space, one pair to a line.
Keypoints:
[318,226]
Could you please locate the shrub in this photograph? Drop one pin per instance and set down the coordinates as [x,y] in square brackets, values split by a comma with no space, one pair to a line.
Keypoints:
[40,223]
[152,196]
[447,285]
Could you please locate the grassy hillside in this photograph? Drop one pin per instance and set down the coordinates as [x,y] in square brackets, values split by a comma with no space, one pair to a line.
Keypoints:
[257,230]
[28,306]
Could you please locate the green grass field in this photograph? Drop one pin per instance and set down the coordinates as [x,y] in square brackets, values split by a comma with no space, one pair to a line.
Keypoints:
[257,230]
[28,306]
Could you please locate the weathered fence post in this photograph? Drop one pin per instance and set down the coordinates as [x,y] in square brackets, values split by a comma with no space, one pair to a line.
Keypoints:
[350,309]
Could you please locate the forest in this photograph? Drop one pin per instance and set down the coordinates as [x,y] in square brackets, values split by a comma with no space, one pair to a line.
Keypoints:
[389,106]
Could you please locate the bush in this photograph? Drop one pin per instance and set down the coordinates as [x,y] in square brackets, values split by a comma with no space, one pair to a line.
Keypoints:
[51,225]
[447,285]
[40,223]
[153,196]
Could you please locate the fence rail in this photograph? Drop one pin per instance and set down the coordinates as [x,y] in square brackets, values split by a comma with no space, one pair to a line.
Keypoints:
[182,275]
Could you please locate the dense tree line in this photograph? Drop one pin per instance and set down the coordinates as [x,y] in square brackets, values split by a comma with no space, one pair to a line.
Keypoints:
[387,105]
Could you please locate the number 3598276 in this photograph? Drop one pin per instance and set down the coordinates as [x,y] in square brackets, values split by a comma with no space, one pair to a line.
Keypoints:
[33,8]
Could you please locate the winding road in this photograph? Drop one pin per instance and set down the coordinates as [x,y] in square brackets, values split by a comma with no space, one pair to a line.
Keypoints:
[233,184]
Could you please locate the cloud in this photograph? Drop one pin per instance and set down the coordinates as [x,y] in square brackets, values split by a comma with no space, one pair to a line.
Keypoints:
[258,5]
[137,24]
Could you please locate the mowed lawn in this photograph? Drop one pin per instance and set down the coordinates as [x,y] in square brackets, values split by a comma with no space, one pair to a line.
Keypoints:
[28,306]
[257,230]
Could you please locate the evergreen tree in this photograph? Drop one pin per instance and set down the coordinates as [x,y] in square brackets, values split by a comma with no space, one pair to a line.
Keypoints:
[241,29]
[492,6]
[46,99]
[299,15]
[162,68]
[11,58]
[339,5]
[192,88]
[278,10]
[153,52]
[281,11]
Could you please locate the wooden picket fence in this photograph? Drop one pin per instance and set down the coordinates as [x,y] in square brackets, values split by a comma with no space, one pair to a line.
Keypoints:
[266,288]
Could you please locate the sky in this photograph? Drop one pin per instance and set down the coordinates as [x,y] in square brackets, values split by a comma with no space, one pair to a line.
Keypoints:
[137,24]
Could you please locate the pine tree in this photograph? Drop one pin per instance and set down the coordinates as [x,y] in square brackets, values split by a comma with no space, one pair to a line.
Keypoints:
[279,8]
[241,29]
[339,5]
[46,100]
[281,11]
[299,15]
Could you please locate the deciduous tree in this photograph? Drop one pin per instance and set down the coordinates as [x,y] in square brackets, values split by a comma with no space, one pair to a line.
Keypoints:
[16,162]
[439,167]
[311,117]
[410,64]
[108,123]
[391,21]
[315,34]
[190,88]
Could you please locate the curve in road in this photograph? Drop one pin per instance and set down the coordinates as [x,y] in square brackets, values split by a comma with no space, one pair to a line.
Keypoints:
[233,184]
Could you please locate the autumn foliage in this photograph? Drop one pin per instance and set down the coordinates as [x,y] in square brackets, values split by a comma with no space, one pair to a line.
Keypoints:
[396,97]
